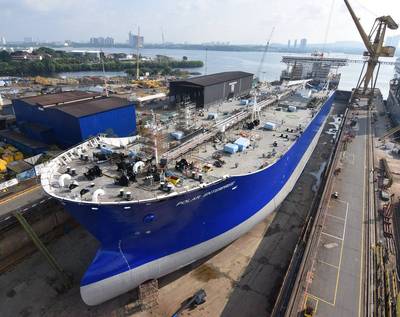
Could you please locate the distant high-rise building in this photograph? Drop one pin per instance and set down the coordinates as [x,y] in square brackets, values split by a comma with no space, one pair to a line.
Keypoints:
[101,41]
[288,44]
[3,40]
[135,40]
[303,44]
[295,44]
[28,39]
[109,41]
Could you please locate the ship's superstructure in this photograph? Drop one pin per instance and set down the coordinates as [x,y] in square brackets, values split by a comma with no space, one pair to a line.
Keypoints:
[157,208]
[322,70]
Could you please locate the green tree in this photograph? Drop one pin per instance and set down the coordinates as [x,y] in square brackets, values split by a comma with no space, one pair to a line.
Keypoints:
[5,56]
[44,50]
[50,67]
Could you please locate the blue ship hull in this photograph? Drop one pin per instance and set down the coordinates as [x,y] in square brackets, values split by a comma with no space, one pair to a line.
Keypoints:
[140,241]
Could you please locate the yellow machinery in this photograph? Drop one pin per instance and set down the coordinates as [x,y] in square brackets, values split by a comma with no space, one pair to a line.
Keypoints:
[8,157]
[173,180]
[207,168]
[10,153]
[11,148]
[152,84]
[18,156]
[43,81]
[375,49]
[3,166]
[48,81]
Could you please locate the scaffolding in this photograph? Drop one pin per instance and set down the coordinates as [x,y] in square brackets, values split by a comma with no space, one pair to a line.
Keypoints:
[186,114]
[314,67]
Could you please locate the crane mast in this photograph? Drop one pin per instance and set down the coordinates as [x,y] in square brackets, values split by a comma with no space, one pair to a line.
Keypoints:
[138,55]
[360,29]
[263,56]
[374,49]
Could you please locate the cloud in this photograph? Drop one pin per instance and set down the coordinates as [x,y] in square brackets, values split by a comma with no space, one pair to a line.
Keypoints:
[43,5]
[237,21]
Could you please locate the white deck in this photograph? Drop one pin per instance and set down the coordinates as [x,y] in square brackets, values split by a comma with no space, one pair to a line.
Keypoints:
[259,154]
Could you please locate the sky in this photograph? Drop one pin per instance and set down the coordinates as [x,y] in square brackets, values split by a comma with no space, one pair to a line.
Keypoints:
[192,21]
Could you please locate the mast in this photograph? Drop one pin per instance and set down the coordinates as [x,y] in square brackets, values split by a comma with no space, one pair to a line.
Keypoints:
[155,132]
[104,72]
[205,68]
[137,53]
[162,36]
[260,66]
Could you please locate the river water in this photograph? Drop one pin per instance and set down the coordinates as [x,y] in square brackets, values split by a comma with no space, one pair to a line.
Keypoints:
[219,61]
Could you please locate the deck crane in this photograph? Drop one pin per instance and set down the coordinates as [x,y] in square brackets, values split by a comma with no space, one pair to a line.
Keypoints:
[375,49]
[264,53]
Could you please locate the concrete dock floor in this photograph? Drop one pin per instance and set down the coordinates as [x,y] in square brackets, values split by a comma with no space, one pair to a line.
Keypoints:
[335,280]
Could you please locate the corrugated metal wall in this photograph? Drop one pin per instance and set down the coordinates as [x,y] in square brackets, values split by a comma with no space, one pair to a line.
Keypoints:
[53,126]
[49,125]
[25,113]
[180,91]
[64,127]
[121,121]
[213,93]
[220,92]
[203,96]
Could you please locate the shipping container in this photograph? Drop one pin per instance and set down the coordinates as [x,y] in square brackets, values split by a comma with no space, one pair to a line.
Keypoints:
[270,126]
[231,148]
[242,143]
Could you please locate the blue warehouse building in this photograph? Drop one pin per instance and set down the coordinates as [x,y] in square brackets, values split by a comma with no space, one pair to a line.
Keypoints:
[68,118]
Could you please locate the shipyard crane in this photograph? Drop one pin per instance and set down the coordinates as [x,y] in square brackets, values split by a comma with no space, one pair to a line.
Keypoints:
[264,53]
[360,61]
[375,49]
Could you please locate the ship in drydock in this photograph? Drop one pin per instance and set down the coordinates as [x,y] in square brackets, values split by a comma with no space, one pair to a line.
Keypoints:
[192,181]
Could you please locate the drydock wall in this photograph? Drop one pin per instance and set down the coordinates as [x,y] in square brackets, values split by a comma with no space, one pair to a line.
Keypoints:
[48,220]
